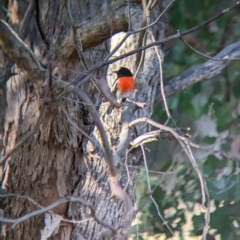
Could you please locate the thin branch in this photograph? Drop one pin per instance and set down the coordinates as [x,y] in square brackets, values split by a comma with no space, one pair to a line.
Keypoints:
[27,20]
[205,55]
[55,204]
[204,188]
[79,129]
[77,43]
[48,43]
[150,191]
[142,37]
[166,128]
[20,53]
[136,31]
[203,71]
[151,171]
[5,160]
[41,207]
[160,61]
[94,114]
[158,135]
[39,25]
[125,135]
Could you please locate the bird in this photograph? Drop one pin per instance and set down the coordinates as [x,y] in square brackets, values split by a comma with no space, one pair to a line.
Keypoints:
[125,83]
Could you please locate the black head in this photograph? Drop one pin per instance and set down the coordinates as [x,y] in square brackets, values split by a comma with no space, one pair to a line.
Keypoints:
[124,72]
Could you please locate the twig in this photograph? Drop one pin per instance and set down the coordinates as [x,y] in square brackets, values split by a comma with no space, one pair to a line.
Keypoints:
[150,191]
[20,53]
[25,137]
[48,43]
[166,128]
[137,104]
[79,129]
[206,56]
[160,61]
[204,188]
[55,204]
[186,147]
[78,44]
[124,136]
[94,114]
[142,37]
[27,20]
[39,25]
[40,206]
[127,169]
[158,135]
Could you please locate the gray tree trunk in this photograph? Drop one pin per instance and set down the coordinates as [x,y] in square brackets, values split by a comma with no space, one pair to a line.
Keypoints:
[60,160]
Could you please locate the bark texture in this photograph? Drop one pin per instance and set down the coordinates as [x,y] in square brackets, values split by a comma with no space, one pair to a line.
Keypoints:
[61,160]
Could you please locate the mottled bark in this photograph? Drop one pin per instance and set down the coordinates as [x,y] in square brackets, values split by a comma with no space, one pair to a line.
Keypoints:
[60,160]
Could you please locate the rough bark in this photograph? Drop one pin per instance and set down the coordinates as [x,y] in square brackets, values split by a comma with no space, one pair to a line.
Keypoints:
[60,160]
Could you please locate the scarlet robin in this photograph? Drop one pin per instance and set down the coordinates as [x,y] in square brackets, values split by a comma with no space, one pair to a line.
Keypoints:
[125,83]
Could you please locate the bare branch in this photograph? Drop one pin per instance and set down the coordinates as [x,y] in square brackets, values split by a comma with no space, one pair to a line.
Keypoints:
[94,114]
[111,162]
[20,53]
[204,71]
[124,136]
[165,128]
[143,34]
[27,19]
[150,191]
[79,129]
[158,135]
[205,55]
[40,206]
[78,44]
[48,43]
[160,60]
[55,204]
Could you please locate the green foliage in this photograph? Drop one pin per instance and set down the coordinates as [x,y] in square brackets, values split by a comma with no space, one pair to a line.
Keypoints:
[216,99]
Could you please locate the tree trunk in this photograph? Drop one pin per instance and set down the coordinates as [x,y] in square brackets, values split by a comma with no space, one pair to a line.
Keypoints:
[61,159]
